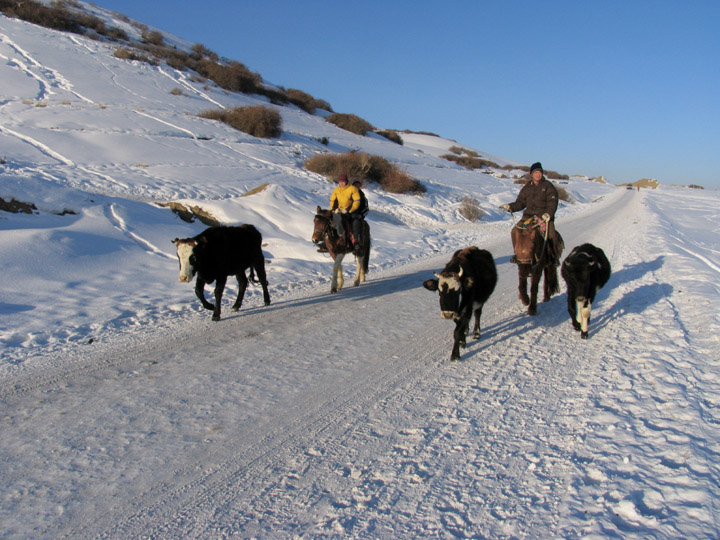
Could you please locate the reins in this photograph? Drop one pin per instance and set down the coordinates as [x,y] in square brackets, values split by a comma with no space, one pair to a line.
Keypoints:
[533,222]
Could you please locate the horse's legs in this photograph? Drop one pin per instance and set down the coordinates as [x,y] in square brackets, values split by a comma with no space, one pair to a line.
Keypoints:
[337,277]
[535,276]
[550,283]
[360,275]
[523,271]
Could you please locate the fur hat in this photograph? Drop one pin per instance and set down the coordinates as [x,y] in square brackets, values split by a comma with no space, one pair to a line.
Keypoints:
[535,167]
[342,178]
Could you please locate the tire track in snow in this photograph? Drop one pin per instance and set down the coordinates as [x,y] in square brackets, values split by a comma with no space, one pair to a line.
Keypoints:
[50,77]
[119,223]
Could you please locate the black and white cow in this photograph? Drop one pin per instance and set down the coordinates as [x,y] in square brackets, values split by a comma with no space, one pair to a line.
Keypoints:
[585,271]
[219,252]
[464,285]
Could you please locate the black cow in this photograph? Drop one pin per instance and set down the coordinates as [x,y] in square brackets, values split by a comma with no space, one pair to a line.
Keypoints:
[464,285]
[585,271]
[219,252]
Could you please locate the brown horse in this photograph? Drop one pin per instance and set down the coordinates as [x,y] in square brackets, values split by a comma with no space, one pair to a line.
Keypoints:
[325,235]
[533,257]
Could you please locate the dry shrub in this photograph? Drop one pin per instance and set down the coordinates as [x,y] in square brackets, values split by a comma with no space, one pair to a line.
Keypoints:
[200,51]
[470,162]
[470,209]
[563,194]
[256,190]
[305,101]
[129,54]
[362,166]
[459,150]
[191,213]
[391,135]
[234,76]
[154,37]
[58,16]
[399,181]
[17,207]
[351,123]
[258,120]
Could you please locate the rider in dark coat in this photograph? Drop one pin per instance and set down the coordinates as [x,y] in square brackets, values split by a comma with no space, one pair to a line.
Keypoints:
[539,198]
[358,216]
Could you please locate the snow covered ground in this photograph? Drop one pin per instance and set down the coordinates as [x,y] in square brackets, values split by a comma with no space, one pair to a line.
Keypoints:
[127,413]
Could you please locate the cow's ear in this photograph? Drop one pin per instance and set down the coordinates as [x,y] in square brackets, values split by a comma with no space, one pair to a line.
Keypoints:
[175,241]
[468,283]
[318,210]
[431,284]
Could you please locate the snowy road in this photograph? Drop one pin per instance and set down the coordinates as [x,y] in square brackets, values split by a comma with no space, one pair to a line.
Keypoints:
[339,416]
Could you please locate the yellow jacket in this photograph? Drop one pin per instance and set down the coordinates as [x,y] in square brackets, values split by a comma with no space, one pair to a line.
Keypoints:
[345,198]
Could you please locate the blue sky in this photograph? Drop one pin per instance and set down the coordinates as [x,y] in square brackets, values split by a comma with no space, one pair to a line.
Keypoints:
[625,89]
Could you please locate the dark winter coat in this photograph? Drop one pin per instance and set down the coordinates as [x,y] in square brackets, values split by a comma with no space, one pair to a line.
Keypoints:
[364,207]
[537,199]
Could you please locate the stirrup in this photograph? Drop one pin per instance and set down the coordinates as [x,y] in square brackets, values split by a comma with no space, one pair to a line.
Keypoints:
[513,259]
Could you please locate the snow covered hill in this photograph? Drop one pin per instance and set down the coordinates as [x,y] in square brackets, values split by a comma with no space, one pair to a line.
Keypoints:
[127,413]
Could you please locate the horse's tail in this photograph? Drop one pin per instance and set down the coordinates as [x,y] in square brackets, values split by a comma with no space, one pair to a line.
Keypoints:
[551,277]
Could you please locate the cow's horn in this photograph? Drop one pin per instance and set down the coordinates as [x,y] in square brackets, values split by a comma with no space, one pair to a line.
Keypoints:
[460,273]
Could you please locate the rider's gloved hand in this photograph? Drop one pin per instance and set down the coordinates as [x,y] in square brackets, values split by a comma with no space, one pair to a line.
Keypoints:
[343,210]
[546,217]
[505,207]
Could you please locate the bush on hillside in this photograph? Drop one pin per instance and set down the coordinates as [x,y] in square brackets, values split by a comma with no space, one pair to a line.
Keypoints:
[305,101]
[350,122]
[362,166]
[258,120]
[459,150]
[391,135]
[470,209]
[129,54]
[470,162]
[58,17]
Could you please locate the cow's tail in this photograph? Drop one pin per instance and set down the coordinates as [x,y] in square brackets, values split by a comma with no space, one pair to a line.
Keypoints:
[252,277]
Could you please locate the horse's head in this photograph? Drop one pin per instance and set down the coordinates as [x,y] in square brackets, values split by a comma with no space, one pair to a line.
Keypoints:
[528,244]
[321,225]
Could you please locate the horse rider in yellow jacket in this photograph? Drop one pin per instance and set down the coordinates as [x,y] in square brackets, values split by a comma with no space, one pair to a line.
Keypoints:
[345,199]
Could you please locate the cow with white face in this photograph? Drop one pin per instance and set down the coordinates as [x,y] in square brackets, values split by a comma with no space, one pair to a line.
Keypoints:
[464,286]
[219,252]
[585,271]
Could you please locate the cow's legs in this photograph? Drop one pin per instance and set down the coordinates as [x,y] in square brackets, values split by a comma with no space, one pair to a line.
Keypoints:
[200,293]
[242,285]
[219,288]
[337,277]
[262,276]
[573,305]
[459,340]
[476,329]
[584,317]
